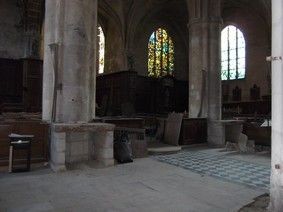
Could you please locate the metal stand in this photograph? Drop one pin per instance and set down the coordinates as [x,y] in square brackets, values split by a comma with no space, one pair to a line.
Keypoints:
[20,142]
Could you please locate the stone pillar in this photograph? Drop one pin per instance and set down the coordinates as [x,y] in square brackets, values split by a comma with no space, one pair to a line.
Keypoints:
[69,60]
[276,192]
[205,67]
[204,56]
[214,69]
[197,69]
[51,10]
[216,129]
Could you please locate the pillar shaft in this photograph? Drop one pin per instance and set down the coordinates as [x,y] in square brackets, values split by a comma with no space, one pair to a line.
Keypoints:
[204,57]
[214,70]
[276,191]
[69,60]
[198,69]
[205,66]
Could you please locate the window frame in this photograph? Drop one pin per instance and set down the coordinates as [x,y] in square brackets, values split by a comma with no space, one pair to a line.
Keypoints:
[98,50]
[170,64]
[237,58]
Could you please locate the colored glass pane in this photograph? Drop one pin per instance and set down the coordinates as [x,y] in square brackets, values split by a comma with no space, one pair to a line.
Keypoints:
[160,54]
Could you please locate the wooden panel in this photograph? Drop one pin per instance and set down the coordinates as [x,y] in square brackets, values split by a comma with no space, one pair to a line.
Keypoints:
[114,90]
[231,109]
[126,122]
[261,135]
[39,145]
[146,95]
[40,131]
[193,131]
[32,83]
[181,96]
[10,81]
[20,85]
[5,130]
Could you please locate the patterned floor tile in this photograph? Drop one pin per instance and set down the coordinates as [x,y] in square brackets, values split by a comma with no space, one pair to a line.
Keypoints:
[221,167]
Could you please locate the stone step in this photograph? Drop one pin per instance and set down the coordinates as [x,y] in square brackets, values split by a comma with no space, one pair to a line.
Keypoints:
[160,148]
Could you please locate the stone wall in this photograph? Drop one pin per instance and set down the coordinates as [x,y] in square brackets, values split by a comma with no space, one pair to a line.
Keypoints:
[173,17]
[257,35]
[20,23]
[11,33]
[128,25]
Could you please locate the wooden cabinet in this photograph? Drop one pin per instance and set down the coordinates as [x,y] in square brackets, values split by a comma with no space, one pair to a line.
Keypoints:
[32,85]
[193,131]
[20,85]
[11,85]
[126,92]
[231,109]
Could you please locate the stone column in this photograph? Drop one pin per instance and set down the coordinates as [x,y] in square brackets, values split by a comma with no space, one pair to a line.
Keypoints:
[197,69]
[205,68]
[216,128]
[204,56]
[276,192]
[69,60]
[214,69]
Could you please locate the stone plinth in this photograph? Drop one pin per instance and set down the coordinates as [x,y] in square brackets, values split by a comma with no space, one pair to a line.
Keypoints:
[75,143]
[219,132]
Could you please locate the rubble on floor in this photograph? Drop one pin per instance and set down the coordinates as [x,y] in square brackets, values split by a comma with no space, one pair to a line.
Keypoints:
[260,204]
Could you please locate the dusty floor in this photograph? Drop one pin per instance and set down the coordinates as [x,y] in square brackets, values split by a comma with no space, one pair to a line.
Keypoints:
[145,185]
[260,204]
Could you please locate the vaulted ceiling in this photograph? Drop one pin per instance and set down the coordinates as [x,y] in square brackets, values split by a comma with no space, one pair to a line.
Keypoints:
[262,8]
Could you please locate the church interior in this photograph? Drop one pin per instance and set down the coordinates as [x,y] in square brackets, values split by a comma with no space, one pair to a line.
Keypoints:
[141,105]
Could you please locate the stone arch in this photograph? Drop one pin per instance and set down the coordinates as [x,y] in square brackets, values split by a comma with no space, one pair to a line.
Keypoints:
[112,25]
[252,19]
[149,20]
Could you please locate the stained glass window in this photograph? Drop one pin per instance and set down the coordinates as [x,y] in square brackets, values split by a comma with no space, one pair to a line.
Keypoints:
[160,54]
[233,54]
[101,50]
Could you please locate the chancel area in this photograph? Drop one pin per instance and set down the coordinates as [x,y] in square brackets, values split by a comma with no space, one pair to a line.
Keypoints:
[141,105]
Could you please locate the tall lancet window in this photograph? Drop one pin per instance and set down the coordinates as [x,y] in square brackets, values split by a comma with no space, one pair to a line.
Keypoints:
[160,54]
[101,50]
[233,54]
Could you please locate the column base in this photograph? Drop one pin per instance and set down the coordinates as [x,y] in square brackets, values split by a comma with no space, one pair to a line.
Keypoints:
[57,168]
[216,133]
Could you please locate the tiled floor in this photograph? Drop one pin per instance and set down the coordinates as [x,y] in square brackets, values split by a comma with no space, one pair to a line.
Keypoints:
[222,167]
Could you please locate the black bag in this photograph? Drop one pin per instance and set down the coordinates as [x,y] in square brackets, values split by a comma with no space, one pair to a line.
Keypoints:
[122,149]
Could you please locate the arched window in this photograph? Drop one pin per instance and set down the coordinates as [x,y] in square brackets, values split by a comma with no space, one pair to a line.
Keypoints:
[101,50]
[233,54]
[160,54]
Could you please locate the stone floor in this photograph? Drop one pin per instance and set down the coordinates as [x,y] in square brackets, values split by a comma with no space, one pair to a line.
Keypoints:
[145,185]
